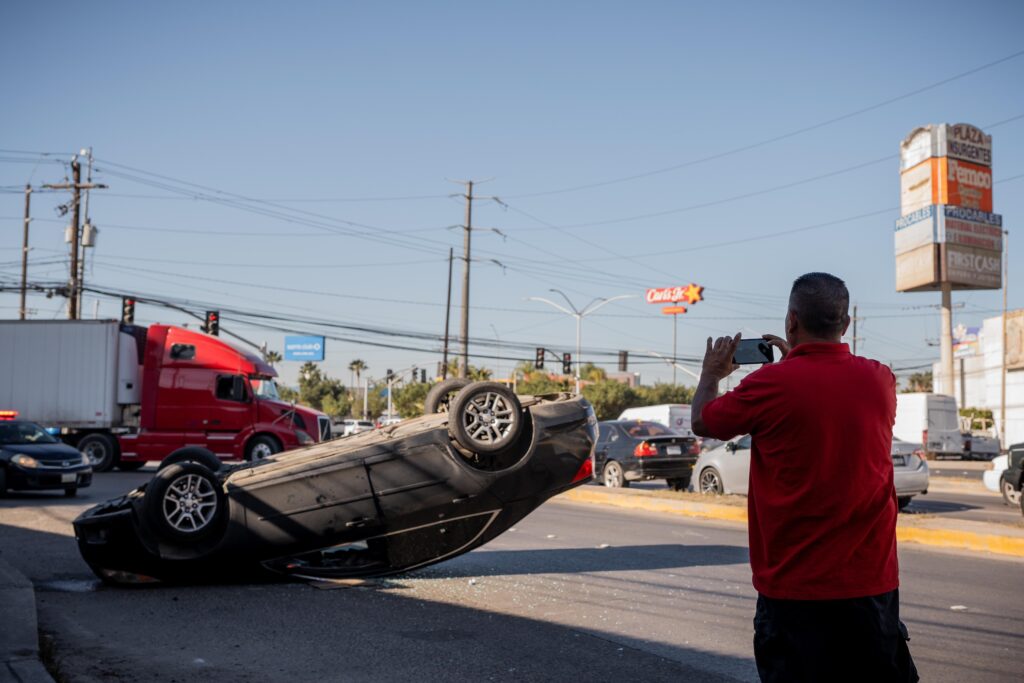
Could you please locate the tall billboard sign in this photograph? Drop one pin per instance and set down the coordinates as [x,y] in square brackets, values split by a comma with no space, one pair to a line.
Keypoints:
[303,348]
[947,232]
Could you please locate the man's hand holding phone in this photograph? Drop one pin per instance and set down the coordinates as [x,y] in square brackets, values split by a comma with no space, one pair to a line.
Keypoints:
[778,342]
[718,359]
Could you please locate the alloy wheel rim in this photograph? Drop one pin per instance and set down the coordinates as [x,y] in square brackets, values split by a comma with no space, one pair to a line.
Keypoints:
[94,452]
[709,482]
[190,503]
[611,475]
[261,451]
[489,418]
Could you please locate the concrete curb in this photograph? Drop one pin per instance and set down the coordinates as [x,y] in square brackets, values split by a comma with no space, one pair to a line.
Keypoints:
[19,632]
[957,534]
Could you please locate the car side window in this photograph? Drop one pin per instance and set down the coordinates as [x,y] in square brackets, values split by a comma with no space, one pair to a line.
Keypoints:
[232,388]
[743,443]
[607,434]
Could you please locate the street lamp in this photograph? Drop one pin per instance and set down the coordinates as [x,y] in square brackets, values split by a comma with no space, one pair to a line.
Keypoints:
[579,314]
[675,364]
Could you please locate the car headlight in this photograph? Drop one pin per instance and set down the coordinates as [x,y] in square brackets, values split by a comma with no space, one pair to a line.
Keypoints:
[304,438]
[26,461]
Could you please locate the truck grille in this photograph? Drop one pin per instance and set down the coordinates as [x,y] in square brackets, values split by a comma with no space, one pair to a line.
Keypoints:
[324,423]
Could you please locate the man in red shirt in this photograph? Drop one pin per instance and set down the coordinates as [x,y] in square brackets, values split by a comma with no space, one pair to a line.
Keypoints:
[821,503]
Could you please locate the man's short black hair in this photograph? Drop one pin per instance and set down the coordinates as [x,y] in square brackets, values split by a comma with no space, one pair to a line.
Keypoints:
[820,302]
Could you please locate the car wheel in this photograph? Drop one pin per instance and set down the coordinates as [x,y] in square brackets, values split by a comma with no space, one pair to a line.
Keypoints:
[710,481]
[192,454]
[485,417]
[260,447]
[678,484]
[613,477]
[71,491]
[1011,496]
[184,502]
[131,466]
[3,482]
[100,449]
[439,397]
[903,501]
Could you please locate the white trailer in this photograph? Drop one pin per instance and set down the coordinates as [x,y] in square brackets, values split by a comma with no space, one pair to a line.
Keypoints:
[932,421]
[675,416]
[77,375]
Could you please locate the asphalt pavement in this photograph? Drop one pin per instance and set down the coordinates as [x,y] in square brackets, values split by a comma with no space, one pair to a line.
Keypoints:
[574,591]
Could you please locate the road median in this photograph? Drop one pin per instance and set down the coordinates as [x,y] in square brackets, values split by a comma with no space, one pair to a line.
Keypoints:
[998,539]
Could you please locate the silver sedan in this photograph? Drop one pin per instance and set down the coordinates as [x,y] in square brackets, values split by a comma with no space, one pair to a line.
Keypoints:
[726,469]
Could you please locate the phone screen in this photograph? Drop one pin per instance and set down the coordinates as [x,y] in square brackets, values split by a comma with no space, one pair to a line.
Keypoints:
[753,351]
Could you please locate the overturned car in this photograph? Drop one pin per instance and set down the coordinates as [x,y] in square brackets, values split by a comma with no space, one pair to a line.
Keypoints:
[370,504]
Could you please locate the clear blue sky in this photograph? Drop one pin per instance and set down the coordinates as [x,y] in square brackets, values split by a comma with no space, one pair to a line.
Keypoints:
[337,102]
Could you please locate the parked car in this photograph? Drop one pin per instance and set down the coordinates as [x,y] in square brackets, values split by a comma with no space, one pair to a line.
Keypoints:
[635,450]
[388,420]
[350,426]
[1011,480]
[32,459]
[372,504]
[726,469]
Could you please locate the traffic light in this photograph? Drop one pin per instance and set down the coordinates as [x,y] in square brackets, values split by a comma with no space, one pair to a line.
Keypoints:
[623,360]
[538,361]
[127,310]
[423,375]
[566,363]
[389,375]
[212,324]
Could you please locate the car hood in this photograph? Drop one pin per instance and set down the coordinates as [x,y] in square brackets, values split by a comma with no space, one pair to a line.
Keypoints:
[43,452]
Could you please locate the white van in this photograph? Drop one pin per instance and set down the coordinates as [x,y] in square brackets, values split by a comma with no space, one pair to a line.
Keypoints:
[931,420]
[675,416]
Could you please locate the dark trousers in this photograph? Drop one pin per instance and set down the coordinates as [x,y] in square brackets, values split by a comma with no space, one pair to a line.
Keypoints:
[860,639]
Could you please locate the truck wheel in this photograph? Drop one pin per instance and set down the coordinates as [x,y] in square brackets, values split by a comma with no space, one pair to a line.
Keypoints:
[485,417]
[612,475]
[192,454]
[260,447]
[185,502]
[101,450]
[439,397]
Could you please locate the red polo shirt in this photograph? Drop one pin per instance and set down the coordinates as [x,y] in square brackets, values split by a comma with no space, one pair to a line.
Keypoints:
[821,503]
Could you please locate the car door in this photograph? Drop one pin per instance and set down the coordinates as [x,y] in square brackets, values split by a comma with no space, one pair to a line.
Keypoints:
[736,466]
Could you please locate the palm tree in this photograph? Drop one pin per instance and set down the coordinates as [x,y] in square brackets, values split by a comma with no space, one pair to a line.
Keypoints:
[357,366]
[272,357]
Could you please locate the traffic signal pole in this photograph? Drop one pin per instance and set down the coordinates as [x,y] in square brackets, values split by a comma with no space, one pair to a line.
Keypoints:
[22,311]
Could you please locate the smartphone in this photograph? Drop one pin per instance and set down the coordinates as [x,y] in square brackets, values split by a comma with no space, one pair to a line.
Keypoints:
[753,352]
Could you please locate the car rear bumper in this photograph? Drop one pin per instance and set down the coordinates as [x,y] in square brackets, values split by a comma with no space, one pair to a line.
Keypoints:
[662,469]
[911,483]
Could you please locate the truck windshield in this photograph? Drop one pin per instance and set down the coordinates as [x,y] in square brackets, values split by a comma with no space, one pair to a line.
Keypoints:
[265,388]
[22,433]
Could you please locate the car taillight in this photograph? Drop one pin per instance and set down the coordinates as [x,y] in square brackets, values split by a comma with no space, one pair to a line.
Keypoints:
[694,448]
[644,449]
[8,414]
[586,471]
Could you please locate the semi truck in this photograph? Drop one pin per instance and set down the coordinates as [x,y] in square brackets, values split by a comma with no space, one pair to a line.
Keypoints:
[127,394]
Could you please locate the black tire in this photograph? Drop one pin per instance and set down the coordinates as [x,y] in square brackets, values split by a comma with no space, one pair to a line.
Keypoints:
[3,482]
[192,454]
[101,449]
[131,465]
[185,502]
[710,482]
[613,476]
[903,501]
[1011,496]
[440,396]
[260,447]
[71,491]
[678,483]
[485,417]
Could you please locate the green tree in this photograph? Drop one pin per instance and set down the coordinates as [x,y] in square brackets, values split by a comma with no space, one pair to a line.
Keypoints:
[287,394]
[919,381]
[408,399]
[539,383]
[665,393]
[591,373]
[610,398]
[357,367]
[315,387]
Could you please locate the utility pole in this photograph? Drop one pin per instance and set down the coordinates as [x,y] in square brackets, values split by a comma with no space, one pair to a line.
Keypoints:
[83,242]
[946,340]
[1002,389]
[855,338]
[447,315]
[24,252]
[76,187]
[464,326]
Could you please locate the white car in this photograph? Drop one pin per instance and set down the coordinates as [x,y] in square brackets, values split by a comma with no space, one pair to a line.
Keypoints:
[351,426]
[726,469]
[993,480]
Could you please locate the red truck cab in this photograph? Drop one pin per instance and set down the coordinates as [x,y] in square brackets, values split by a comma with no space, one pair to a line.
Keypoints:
[198,390]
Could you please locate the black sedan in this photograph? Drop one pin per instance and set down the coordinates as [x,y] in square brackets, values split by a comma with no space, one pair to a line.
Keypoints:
[370,504]
[635,450]
[32,460]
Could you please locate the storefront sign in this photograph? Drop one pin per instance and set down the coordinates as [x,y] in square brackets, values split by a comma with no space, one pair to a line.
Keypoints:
[917,270]
[971,268]
[956,140]
[940,180]
[951,225]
